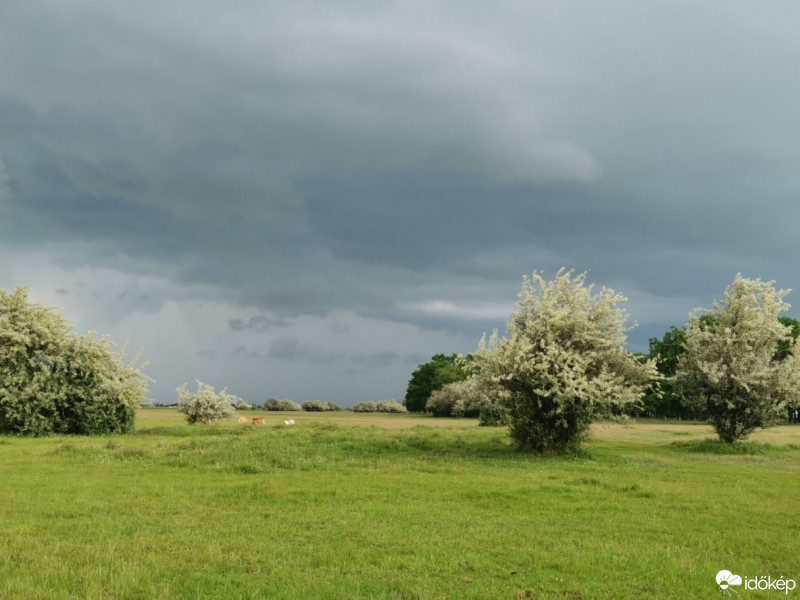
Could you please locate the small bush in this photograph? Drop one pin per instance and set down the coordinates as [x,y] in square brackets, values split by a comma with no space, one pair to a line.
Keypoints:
[205,405]
[441,404]
[242,405]
[281,405]
[391,406]
[314,406]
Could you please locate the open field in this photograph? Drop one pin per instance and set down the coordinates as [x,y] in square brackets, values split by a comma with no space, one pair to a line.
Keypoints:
[392,506]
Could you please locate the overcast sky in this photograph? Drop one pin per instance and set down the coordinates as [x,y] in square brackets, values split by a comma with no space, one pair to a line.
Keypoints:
[307,199]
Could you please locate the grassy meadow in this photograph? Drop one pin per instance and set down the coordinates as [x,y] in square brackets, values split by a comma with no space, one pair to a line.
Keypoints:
[351,506]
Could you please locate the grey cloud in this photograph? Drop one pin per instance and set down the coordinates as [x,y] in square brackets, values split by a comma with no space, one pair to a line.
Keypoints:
[416,359]
[207,354]
[242,351]
[291,350]
[256,323]
[375,361]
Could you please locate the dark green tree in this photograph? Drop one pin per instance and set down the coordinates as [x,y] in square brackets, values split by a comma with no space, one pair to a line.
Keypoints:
[664,400]
[784,347]
[430,376]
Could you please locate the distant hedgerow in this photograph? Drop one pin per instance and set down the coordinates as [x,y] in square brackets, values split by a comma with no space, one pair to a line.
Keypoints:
[317,406]
[382,406]
[281,405]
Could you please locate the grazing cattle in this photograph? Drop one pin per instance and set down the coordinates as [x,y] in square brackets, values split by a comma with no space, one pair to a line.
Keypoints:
[244,420]
[258,420]
[289,422]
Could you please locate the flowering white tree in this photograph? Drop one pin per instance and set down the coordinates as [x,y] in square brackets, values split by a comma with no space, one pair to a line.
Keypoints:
[53,381]
[563,364]
[205,405]
[732,365]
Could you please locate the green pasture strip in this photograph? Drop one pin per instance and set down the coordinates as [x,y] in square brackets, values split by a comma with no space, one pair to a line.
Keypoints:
[326,510]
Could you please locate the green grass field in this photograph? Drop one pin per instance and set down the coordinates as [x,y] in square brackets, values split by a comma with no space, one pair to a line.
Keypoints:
[392,506]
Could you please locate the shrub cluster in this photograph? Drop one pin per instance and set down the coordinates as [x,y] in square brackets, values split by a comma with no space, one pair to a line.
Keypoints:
[441,402]
[281,405]
[317,406]
[563,364]
[741,364]
[382,406]
[242,405]
[473,397]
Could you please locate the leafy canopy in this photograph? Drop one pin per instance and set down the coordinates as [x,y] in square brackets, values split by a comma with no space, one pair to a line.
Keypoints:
[431,376]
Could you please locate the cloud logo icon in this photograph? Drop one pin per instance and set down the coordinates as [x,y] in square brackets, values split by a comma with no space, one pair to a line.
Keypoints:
[725,579]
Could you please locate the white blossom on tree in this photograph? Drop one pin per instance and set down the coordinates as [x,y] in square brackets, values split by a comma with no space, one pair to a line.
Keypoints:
[731,364]
[563,363]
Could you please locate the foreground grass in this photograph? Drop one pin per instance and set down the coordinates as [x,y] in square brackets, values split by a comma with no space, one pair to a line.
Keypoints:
[341,506]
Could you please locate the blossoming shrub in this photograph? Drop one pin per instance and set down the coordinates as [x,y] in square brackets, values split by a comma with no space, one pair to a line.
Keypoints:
[563,364]
[205,405]
[53,381]
[741,363]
